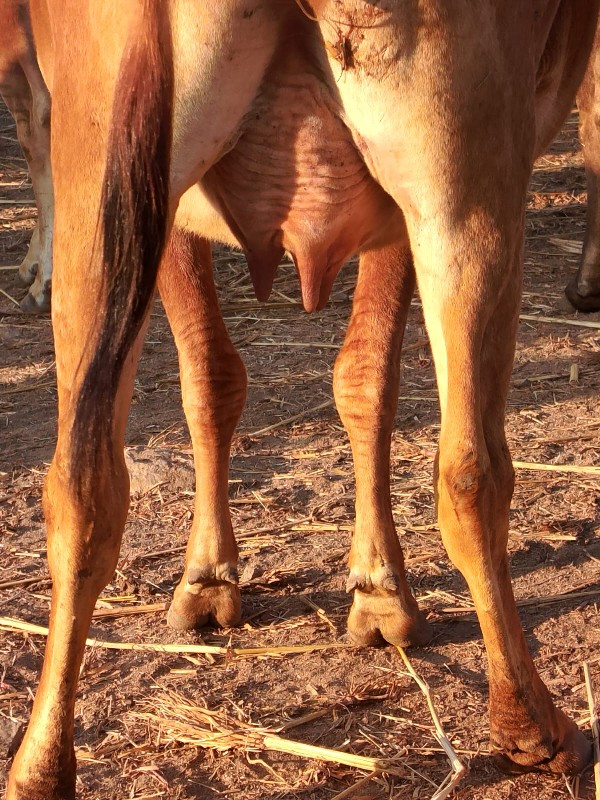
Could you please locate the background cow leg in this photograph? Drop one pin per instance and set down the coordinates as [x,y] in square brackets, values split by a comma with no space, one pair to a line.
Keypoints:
[584,290]
[365,384]
[213,385]
[28,268]
[28,101]
[38,160]
[472,322]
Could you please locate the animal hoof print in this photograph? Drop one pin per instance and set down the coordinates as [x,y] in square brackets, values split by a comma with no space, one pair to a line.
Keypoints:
[570,757]
[375,619]
[219,604]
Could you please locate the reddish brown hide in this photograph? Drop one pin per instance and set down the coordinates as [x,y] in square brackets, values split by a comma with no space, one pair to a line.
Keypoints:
[248,122]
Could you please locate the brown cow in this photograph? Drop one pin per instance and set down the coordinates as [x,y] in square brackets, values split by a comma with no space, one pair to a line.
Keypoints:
[23,90]
[403,130]
[584,290]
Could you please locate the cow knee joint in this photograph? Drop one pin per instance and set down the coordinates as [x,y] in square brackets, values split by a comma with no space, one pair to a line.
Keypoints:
[465,479]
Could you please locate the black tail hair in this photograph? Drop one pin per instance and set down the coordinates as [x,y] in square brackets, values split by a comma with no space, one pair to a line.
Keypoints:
[133,227]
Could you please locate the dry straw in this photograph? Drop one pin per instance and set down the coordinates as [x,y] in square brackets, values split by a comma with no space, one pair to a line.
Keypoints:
[578,469]
[568,245]
[576,323]
[10,624]
[595,726]
[459,770]
[12,299]
[181,721]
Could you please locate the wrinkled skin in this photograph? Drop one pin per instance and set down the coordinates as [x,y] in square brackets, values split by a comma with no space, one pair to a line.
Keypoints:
[24,91]
[584,290]
[367,129]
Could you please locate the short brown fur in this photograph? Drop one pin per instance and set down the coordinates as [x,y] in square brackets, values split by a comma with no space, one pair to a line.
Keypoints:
[418,157]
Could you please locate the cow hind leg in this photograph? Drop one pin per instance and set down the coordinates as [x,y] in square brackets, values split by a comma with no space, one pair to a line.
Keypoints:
[213,384]
[103,285]
[85,507]
[456,154]
[472,327]
[365,384]
[526,729]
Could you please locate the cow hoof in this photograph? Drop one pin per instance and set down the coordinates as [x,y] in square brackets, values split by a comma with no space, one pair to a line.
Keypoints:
[45,791]
[376,618]
[586,303]
[31,780]
[32,305]
[568,755]
[25,277]
[206,595]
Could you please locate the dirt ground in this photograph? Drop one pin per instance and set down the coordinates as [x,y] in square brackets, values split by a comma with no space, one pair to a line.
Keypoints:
[292,496]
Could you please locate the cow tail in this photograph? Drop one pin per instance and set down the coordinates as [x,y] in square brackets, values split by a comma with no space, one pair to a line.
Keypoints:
[133,228]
